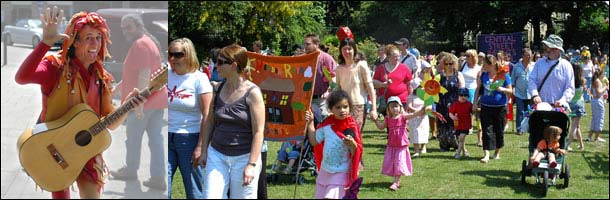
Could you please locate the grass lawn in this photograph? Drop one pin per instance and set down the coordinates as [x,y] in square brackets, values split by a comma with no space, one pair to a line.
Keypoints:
[439,175]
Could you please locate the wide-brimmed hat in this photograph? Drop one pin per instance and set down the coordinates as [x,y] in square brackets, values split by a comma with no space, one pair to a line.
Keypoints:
[402,41]
[554,42]
[394,99]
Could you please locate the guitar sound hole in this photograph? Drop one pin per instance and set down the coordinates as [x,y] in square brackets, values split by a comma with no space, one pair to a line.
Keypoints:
[83,138]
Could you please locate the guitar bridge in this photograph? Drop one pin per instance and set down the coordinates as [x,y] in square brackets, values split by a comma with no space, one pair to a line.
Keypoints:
[57,156]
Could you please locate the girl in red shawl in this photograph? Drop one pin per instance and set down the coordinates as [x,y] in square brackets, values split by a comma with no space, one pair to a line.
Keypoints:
[337,147]
[74,76]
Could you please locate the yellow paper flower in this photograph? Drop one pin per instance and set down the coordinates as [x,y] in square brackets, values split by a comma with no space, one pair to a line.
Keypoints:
[432,87]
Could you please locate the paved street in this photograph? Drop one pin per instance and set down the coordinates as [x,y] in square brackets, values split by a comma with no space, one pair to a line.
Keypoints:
[21,105]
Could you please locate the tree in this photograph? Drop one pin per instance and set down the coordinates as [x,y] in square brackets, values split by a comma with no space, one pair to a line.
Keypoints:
[216,24]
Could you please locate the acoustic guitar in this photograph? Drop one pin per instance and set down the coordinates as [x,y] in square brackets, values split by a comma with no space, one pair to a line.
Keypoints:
[54,153]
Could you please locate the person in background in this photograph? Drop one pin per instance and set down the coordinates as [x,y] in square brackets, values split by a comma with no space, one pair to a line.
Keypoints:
[577,105]
[470,70]
[262,182]
[143,58]
[322,88]
[598,91]
[381,56]
[405,56]
[520,80]
[355,78]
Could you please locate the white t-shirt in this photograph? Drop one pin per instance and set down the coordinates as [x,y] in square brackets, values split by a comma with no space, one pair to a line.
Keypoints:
[336,154]
[470,75]
[587,69]
[184,115]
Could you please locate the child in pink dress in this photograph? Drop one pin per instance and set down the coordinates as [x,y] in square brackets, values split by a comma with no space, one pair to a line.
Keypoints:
[397,159]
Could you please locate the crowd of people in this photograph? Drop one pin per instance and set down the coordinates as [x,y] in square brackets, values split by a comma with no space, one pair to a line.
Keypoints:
[216,115]
[481,89]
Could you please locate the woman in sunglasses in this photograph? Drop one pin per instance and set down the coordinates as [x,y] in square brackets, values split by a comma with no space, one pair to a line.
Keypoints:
[234,131]
[452,80]
[188,100]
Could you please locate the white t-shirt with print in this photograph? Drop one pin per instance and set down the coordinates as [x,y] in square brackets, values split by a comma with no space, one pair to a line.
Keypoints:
[184,114]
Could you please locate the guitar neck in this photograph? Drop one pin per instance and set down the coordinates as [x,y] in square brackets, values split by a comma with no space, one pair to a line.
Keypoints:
[116,115]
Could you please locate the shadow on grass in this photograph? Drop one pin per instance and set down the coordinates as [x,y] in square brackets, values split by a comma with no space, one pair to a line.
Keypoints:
[289,179]
[598,162]
[506,178]
[378,185]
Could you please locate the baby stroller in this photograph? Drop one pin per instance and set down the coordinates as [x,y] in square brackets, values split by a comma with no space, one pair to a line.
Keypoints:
[538,121]
[305,162]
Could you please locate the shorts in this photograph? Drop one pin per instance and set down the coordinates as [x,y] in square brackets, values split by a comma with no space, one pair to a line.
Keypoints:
[578,108]
[459,132]
[284,157]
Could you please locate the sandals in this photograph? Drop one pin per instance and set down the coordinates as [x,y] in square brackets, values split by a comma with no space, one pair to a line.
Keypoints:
[394,186]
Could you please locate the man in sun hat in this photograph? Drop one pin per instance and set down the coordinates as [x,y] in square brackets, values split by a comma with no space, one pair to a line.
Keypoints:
[558,89]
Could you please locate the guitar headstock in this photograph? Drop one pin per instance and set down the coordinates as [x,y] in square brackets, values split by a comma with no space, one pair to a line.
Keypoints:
[159,78]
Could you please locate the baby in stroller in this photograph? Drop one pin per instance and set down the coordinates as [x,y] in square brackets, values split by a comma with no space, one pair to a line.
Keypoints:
[288,153]
[548,147]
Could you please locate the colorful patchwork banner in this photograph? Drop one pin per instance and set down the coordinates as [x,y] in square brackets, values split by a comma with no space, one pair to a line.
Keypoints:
[287,86]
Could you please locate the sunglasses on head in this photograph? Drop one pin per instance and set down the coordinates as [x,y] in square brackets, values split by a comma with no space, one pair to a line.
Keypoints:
[175,54]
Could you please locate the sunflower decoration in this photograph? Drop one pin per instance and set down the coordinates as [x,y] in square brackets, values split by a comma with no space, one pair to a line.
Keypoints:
[498,79]
[430,88]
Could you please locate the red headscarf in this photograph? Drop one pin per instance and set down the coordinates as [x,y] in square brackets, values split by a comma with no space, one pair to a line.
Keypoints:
[344,32]
[339,126]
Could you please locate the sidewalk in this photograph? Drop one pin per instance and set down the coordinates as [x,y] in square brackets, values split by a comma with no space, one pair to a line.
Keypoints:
[21,105]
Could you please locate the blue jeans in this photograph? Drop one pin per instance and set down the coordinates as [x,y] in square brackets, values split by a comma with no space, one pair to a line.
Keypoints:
[521,107]
[181,147]
[224,173]
[135,128]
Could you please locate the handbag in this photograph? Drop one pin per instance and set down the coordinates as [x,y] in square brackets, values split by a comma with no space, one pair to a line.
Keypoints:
[381,101]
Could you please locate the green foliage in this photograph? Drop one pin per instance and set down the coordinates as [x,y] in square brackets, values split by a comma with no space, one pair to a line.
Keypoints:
[436,26]
[369,47]
[216,24]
